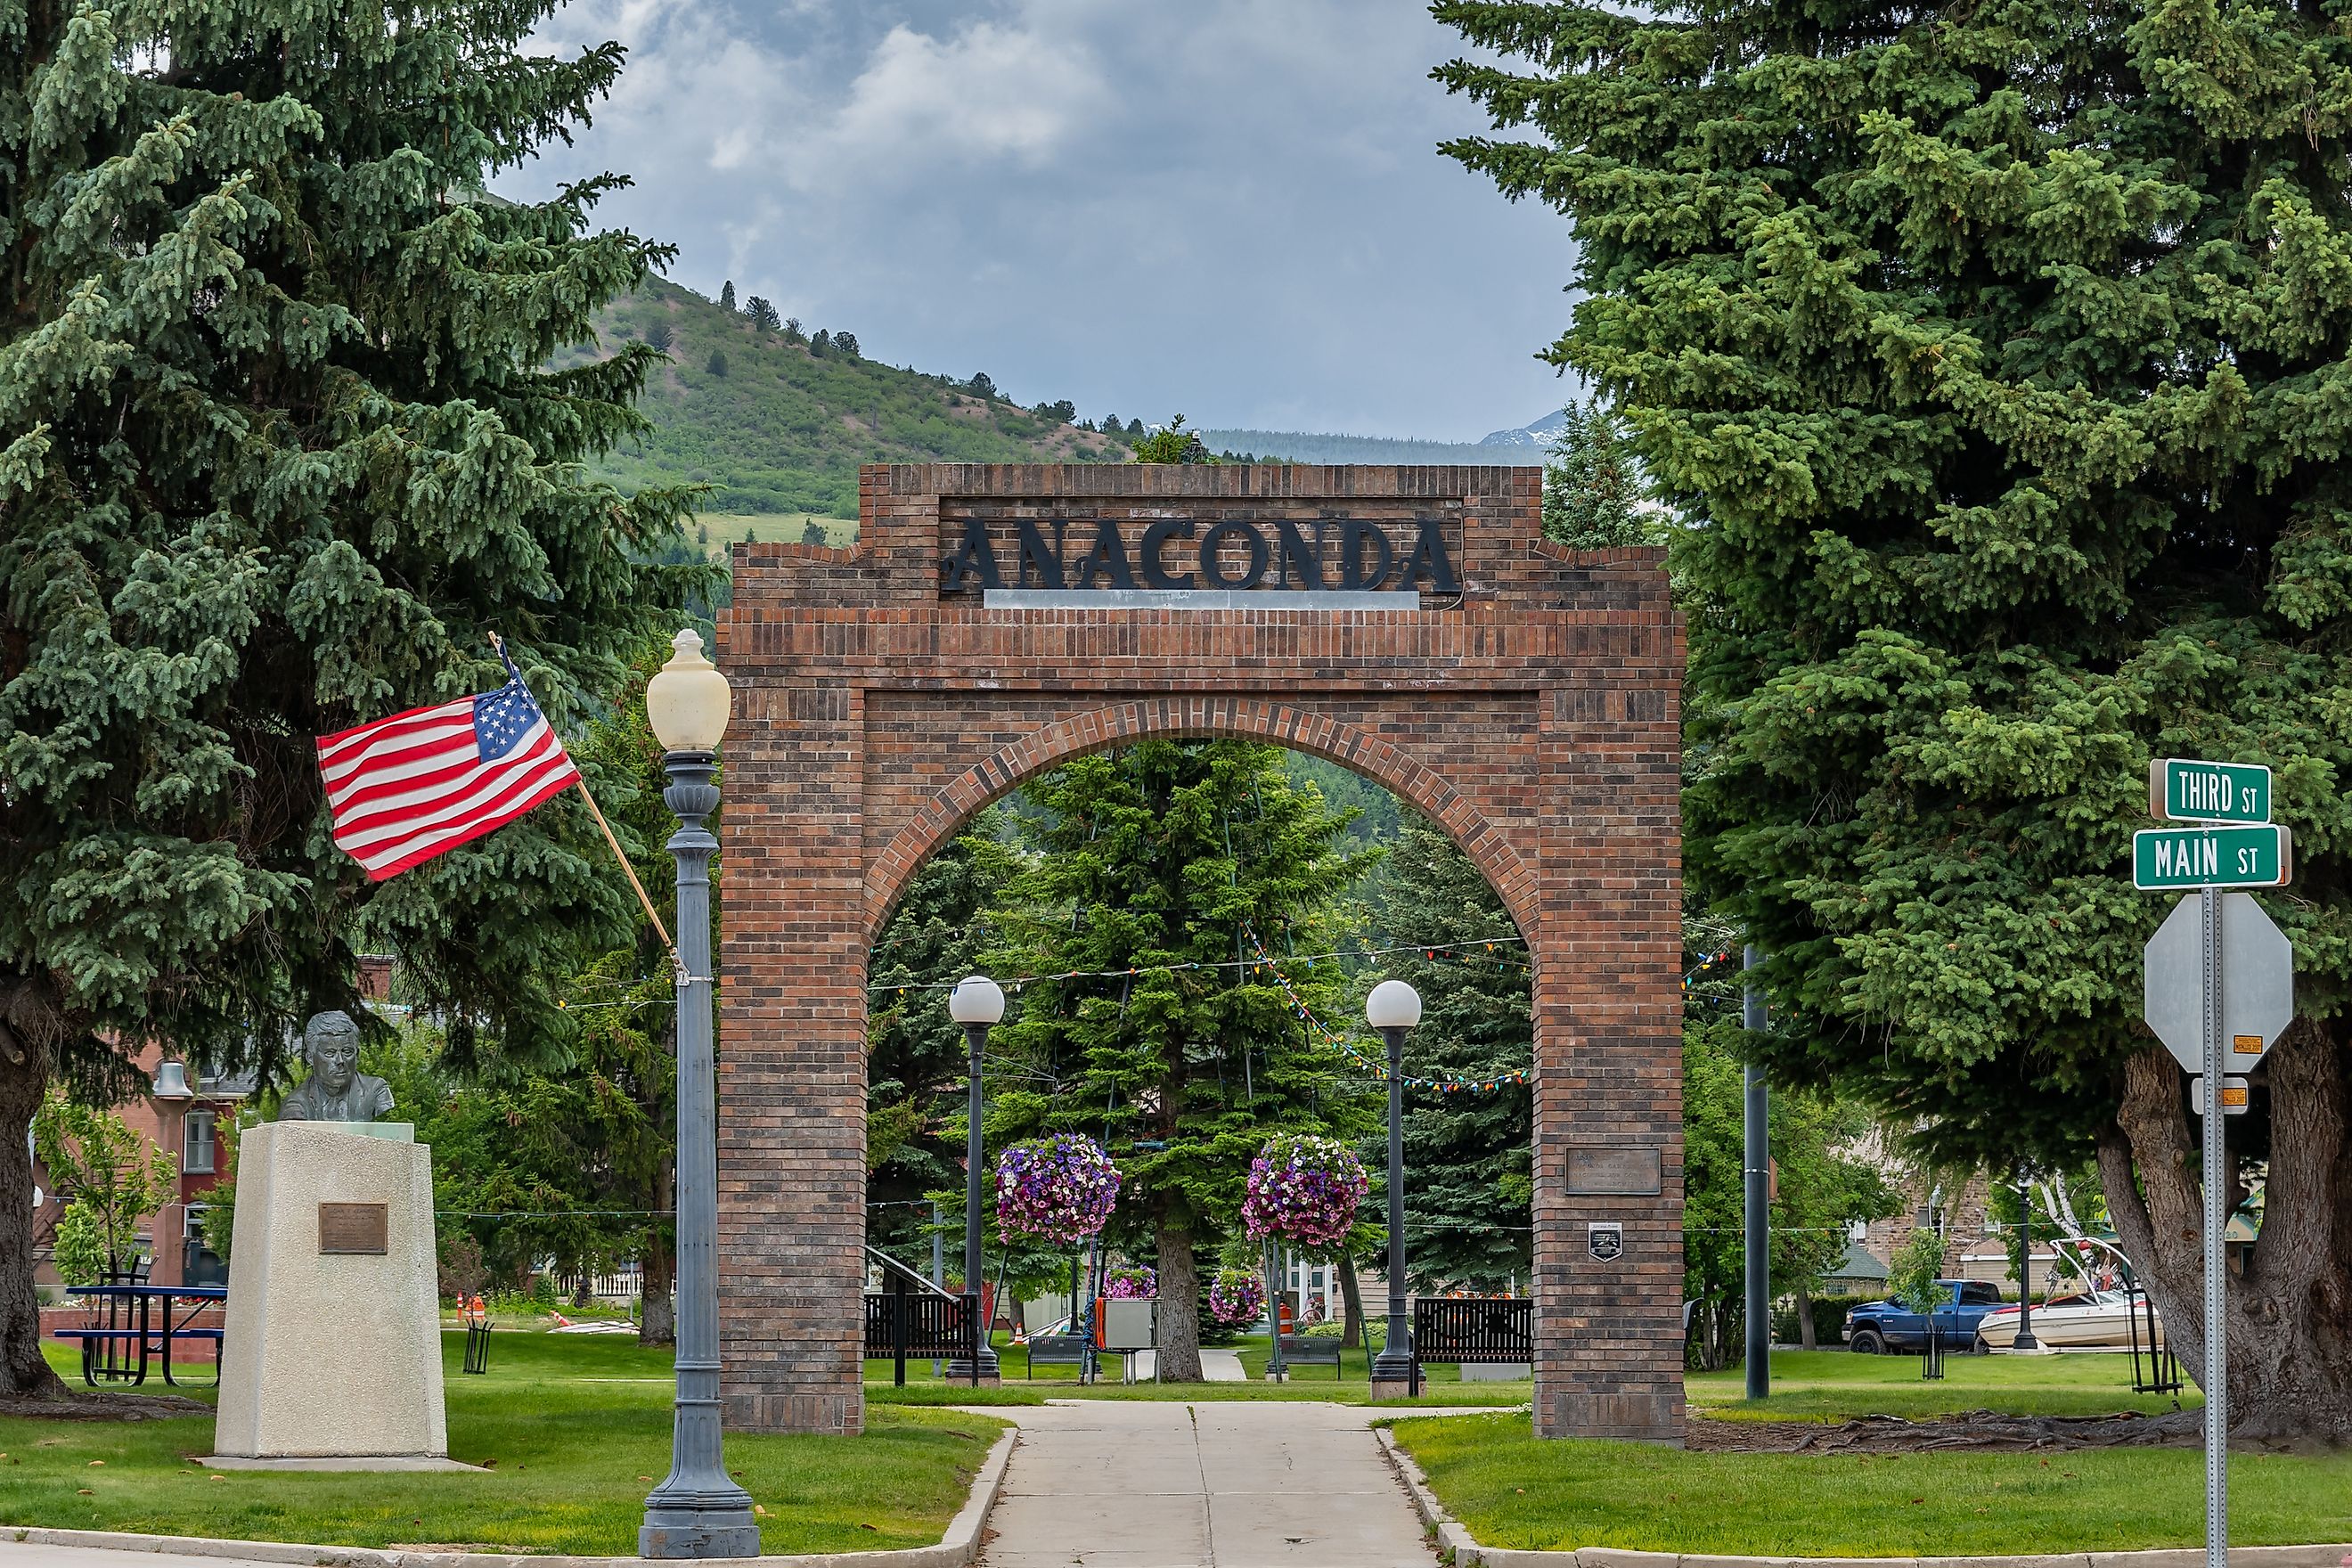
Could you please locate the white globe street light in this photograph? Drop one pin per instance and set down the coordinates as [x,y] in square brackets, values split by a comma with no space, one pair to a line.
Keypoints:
[697,1511]
[686,701]
[1393,1005]
[977,1003]
[1393,1008]
[976,999]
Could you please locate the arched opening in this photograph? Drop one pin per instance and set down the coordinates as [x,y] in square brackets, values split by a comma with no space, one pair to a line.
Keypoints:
[1186,920]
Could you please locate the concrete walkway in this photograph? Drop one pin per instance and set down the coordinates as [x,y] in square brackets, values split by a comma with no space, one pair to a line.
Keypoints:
[1148,1484]
[1216,1365]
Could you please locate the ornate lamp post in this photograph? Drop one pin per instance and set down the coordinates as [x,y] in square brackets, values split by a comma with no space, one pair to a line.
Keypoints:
[697,1511]
[977,1003]
[1393,1008]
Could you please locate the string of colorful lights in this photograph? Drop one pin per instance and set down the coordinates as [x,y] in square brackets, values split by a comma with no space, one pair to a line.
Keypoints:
[1379,1069]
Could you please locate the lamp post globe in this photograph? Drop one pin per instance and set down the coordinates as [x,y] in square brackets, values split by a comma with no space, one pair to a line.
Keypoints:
[687,699]
[697,1511]
[1393,1005]
[977,1003]
[1394,1009]
[976,999]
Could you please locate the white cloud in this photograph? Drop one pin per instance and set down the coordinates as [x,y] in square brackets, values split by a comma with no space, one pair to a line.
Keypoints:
[988,92]
[1231,207]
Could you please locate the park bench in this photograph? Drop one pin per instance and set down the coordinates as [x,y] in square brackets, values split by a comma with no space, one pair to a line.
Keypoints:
[1053,1349]
[1314,1351]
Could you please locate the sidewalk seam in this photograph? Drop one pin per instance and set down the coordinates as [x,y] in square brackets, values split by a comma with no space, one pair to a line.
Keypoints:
[958,1548]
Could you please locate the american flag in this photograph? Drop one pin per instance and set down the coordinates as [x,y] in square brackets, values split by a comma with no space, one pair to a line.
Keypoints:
[404,789]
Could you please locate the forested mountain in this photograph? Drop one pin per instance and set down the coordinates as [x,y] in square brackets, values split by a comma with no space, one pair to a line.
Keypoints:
[777,418]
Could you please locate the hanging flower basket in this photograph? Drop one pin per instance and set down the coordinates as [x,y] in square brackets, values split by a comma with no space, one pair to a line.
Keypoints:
[1055,1189]
[1303,1189]
[1138,1284]
[1237,1296]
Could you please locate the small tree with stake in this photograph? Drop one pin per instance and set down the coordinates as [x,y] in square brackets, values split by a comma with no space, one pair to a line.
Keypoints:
[1913,1283]
[110,1176]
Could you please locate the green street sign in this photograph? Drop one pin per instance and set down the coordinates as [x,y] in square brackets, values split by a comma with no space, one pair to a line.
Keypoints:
[2167,860]
[2181,790]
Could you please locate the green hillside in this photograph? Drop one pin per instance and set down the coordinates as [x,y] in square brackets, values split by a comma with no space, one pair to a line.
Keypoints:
[777,429]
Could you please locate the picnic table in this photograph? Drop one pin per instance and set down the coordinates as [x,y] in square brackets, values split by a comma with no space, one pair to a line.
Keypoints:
[131,1324]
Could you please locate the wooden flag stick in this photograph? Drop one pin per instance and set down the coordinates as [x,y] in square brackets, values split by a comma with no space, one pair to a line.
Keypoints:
[661,930]
[614,844]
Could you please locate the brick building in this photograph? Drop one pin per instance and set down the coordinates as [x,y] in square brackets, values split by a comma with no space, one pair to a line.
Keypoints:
[1411,624]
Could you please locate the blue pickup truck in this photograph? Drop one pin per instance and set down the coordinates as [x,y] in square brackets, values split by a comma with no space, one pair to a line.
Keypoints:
[1876,1327]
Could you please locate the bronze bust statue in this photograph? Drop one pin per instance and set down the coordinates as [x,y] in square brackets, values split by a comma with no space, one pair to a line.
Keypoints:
[336,1090]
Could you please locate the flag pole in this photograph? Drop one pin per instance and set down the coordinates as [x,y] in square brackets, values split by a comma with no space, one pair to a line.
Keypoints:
[597,812]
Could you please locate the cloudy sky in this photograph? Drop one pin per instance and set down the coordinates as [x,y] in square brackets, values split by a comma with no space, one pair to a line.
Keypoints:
[1227,208]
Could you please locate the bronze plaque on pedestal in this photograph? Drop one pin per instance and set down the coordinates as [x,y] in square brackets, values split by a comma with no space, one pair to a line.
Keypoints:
[354,1230]
[1614,1170]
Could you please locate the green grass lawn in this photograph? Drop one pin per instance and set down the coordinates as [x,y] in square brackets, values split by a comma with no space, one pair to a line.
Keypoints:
[1836,1385]
[578,1427]
[1316,1383]
[723,528]
[1512,1491]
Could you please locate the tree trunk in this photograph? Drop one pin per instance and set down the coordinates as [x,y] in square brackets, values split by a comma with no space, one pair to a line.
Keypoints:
[656,1315]
[656,1318]
[1805,1317]
[1179,1308]
[1351,1303]
[2290,1309]
[24,1075]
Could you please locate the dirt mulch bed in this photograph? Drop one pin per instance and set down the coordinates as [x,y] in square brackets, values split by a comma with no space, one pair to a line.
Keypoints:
[1983,1430]
[103,1404]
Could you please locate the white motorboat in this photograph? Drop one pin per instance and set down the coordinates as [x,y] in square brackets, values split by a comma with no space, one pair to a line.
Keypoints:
[2087,1319]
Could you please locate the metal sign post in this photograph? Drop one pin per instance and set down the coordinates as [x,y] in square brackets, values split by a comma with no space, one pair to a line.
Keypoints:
[2217,1365]
[2219,987]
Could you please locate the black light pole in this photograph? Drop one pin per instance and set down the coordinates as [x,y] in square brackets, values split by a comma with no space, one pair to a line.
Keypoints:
[2025,1339]
[1393,1008]
[1757,1201]
[697,1511]
[976,1003]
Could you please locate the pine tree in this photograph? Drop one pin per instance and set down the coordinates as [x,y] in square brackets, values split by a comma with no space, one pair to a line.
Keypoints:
[277,455]
[1151,860]
[1992,358]
[727,295]
[762,314]
[1591,487]
[1469,1187]
[915,1054]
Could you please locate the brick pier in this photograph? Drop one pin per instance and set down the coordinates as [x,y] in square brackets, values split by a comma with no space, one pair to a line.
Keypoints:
[1529,707]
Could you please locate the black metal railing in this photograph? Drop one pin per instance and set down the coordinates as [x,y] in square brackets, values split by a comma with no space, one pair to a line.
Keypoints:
[1474,1331]
[902,1322]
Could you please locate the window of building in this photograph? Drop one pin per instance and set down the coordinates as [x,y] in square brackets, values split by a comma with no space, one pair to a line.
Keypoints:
[200,1141]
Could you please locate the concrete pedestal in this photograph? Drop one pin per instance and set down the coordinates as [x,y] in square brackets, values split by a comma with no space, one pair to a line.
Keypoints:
[333,1345]
[1391,1388]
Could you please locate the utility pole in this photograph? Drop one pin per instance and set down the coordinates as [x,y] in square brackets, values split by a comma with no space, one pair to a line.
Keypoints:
[1756,1166]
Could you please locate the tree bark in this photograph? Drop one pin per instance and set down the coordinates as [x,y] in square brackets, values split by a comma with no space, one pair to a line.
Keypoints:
[23,1076]
[656,1318]
[1179,1308]
[1805,1317]
[2290,1309]
[1351,1303]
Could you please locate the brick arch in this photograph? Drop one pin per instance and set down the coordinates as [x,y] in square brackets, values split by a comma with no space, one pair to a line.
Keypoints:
[1528,706]
[1280,723]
